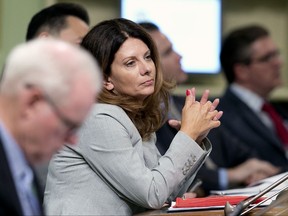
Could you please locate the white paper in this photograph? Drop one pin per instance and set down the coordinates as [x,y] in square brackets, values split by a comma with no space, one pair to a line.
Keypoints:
[254,188]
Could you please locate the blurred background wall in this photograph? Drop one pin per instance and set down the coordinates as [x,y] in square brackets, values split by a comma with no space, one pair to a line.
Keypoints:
[273,14]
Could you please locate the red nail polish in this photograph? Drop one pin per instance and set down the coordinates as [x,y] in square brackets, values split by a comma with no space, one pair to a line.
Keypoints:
[187,92]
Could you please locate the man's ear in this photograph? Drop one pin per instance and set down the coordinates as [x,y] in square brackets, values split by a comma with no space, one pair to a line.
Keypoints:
[108,84]
[33,95]
[44,35]
[241,72]
[29,101]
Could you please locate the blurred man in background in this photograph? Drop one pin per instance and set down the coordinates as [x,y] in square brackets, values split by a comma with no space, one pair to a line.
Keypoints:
[66,21]
[221,170]
[44,98]
[252,66]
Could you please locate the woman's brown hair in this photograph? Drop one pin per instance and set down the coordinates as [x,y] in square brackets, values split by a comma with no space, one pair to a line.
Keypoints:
[103,41]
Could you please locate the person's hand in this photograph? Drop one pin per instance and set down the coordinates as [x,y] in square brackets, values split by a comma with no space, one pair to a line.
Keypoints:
[251,171]
[198,118]
[215,103]
[189,195]
[263,169]
[175,124]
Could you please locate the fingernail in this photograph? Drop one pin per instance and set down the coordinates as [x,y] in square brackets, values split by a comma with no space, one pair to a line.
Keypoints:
[187,92]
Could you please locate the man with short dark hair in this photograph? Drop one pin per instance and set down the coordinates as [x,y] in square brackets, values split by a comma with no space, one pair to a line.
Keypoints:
[252,66]
[67,21]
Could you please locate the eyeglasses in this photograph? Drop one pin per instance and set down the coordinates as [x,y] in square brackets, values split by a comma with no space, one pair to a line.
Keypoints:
[71,126]
[266,58]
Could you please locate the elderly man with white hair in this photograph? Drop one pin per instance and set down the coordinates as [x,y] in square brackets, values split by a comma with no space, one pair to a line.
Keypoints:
[47,89]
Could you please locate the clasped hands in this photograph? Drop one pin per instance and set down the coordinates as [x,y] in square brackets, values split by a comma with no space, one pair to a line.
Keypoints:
[198,117]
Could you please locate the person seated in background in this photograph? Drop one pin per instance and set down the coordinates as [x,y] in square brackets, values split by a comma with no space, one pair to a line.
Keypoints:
[52,93]
[252,66]
[241,169]
[116,169]
[66,21]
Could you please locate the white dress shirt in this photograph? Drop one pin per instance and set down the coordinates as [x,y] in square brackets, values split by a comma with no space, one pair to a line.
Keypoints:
[253,101]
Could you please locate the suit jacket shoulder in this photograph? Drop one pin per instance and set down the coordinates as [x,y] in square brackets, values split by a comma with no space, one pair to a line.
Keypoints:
[244,125]
[9,201]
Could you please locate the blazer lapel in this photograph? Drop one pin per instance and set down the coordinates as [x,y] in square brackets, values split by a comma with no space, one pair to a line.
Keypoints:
[252,119]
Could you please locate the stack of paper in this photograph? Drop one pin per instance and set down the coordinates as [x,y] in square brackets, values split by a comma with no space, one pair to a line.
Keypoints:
[254,188]
[218,198]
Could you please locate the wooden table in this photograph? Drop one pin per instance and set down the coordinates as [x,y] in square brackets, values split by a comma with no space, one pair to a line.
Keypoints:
[163,212]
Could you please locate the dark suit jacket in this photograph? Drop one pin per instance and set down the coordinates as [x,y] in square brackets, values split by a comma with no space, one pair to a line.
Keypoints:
[9,201]
[243,124]
[226,152]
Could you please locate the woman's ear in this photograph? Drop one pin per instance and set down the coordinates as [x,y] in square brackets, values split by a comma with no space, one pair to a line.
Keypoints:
[108,84]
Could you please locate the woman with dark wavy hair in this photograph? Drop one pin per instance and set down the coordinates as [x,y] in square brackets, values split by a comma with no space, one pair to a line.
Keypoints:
[116,168]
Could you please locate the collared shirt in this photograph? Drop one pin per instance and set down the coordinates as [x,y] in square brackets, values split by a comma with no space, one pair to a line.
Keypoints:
[21,173]
[254,101]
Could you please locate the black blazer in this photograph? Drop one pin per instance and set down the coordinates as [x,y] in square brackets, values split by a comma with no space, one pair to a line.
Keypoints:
[244,125]
[9,201]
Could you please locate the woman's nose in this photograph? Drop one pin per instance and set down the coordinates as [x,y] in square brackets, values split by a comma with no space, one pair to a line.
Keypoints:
[145,68]
[178,55]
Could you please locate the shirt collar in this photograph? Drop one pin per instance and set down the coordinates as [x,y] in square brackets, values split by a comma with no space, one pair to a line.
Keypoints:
[252,100]
[15,156]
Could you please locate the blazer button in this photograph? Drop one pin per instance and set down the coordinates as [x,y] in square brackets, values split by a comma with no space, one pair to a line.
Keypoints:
[194,159]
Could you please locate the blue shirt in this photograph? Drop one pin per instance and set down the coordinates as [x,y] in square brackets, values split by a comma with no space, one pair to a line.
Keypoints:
[21,173]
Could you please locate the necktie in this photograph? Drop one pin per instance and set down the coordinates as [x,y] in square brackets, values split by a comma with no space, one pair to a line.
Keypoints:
[282,132]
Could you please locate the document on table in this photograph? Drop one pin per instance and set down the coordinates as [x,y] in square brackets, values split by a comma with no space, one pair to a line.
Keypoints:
[207,203]
[254,188]
[218,198]
[173,209]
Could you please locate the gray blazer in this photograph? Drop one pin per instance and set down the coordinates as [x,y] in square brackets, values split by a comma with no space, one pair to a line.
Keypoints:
[112,171]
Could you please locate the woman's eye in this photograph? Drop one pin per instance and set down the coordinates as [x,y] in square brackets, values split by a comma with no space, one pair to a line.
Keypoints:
[148,57]
[130,63]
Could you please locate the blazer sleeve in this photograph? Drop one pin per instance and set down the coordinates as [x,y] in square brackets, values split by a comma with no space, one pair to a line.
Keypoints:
[113,148]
